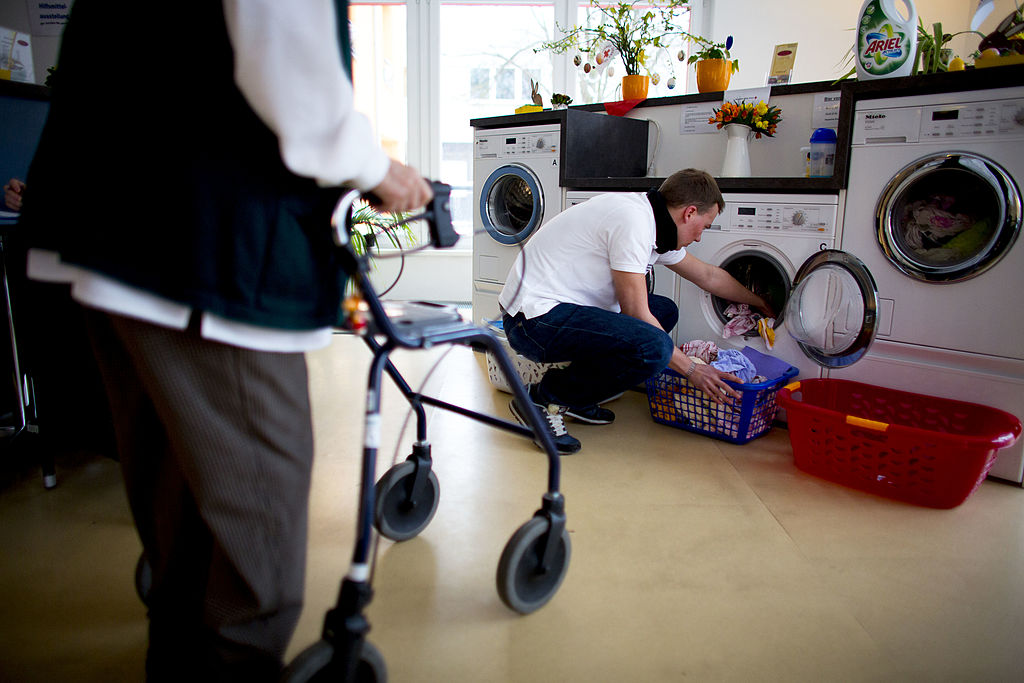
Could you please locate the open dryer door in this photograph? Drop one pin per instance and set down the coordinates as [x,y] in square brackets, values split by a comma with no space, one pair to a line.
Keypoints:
[832,308]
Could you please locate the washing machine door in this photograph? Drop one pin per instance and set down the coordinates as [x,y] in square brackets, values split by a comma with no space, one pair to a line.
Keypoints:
[948,217]
[511,204]
[832,308]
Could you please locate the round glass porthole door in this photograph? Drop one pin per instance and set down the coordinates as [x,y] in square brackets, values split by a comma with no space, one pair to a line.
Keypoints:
[511,204]
[832,308]
[948,217]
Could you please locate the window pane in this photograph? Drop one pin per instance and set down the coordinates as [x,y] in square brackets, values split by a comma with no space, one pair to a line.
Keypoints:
[379,73]
[487,62]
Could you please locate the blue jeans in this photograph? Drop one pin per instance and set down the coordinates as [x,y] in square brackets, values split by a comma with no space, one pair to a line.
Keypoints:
[609,352]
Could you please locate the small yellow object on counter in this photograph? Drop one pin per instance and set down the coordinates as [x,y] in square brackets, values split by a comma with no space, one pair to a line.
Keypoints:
[999,60]
[955,64]
[528,109]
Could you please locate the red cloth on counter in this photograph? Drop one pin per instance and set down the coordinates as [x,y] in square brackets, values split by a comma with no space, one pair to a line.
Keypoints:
[620,108]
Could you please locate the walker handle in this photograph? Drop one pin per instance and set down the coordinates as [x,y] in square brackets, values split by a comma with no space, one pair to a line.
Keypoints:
[437,213]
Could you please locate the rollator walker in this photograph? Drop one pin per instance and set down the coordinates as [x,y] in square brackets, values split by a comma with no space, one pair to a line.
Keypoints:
[401,504]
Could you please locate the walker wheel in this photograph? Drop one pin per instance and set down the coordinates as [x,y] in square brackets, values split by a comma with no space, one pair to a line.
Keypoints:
[398,514]
[315,665]
[523,584]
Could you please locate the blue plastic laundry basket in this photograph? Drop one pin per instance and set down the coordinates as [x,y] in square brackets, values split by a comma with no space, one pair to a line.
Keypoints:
[676,402]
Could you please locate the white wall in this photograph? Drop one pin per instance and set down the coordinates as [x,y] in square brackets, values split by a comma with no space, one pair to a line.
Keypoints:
[778,156]
[432,275]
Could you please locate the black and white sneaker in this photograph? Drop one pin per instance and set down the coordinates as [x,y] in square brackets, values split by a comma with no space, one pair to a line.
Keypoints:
[592,415]
[554,414]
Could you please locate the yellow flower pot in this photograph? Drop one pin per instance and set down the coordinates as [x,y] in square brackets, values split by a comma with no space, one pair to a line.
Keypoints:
[635,87]
[713,74]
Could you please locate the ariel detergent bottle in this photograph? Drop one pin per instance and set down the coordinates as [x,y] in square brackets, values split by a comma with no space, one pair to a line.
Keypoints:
[886,40]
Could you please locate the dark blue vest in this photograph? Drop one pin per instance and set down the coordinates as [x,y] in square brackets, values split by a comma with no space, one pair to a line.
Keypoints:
[152,169]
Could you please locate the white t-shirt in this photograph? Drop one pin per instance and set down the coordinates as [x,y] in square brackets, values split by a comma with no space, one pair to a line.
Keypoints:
[570,259]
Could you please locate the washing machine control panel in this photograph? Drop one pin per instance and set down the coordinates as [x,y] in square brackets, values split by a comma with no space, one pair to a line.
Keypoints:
[959,121]
[973,120]
[517,144]
[810,219]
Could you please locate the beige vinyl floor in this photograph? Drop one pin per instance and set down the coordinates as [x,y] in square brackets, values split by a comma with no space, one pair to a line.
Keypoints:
[692,559]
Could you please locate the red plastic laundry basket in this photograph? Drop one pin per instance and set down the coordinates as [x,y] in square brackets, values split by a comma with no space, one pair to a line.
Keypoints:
[919,449]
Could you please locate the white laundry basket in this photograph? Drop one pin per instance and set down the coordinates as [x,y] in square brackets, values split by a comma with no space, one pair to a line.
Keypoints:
[529,371]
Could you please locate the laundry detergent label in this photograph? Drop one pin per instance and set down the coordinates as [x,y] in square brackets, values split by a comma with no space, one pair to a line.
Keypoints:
[881,47]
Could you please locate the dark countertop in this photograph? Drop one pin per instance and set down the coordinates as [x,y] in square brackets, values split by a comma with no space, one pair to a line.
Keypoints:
[851,91]
[28,91]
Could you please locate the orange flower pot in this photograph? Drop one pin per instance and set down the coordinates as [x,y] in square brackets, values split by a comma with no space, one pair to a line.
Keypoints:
[635,87]
[713,74]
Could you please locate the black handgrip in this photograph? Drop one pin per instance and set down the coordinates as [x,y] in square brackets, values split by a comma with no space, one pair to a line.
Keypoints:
[437,213]
[439,217]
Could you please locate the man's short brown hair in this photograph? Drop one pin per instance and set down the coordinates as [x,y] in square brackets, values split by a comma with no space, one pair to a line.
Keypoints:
[692,186]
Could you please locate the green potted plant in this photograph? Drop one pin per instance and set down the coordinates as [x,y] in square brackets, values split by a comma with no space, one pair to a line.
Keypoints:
[628,30]
[931,46]
[368,225]
[713,64]
[560,101]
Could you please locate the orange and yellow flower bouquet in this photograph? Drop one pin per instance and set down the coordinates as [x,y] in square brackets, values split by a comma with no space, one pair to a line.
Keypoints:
[760,118]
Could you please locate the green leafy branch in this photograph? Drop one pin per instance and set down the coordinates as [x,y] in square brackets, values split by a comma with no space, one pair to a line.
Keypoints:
[627,28]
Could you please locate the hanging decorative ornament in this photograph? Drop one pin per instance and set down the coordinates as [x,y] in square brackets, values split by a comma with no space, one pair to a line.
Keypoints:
[604,56]
[655,78]
[586,68]
[671,83]
[611,71]
[577,60]
[682,55]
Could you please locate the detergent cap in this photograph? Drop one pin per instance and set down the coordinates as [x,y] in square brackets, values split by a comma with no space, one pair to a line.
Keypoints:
[823,135]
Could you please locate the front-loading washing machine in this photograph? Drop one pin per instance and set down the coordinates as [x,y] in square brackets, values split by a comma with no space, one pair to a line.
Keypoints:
[516,190]
[933,209]
[762,240]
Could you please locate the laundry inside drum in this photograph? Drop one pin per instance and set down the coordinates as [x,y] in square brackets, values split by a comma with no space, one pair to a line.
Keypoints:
[762,275]
[945,220]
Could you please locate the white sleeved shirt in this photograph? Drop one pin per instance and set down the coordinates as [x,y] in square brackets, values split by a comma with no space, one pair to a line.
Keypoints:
[288,67]
[570,259]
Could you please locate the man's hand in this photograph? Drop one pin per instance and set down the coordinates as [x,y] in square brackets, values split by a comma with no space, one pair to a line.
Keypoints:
[403,189]
[711,381]
[14,190]
[764,308]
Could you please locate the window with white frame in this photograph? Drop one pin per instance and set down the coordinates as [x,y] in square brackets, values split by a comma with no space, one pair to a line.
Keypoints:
[423,68]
